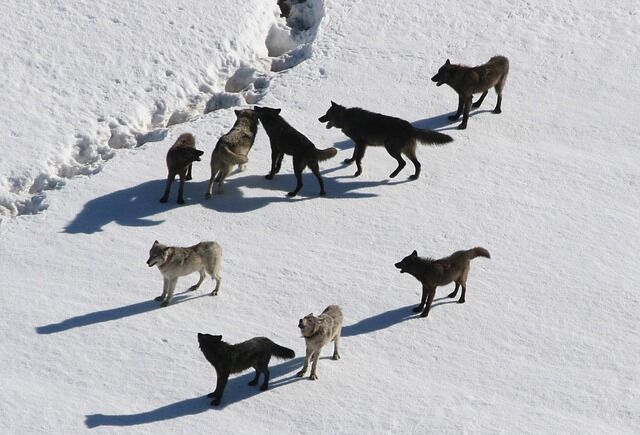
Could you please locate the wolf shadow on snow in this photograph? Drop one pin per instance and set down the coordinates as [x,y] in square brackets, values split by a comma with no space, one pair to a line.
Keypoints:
[237,390]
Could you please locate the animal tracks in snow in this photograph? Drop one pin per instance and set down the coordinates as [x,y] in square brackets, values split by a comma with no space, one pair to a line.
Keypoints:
[248,67]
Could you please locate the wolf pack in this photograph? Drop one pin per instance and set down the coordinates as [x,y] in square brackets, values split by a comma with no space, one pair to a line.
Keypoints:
[364,128]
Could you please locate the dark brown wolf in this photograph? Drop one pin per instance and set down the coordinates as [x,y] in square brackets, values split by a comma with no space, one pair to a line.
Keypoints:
[435,273]
[287,140]
[233,358]
[232,148]
[366,128]
[179,159]
[466,81]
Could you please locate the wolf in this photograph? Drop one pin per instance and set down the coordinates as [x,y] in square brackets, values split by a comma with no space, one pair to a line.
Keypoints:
[318,331]
[435,273]
[233,358]
[287,140]
[233,148]
[368,128]
[467,81]
[174,262]
[180,157]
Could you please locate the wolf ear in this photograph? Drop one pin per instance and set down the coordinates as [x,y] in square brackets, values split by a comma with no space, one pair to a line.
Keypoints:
[156,243]
[237,112]
[414,253]
[277,111]
[333,104]
[217,337]
[447,62]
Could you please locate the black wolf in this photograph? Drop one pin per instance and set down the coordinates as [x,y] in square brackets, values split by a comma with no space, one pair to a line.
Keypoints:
[435,273]
[233,358]
[466,81]
[287,140]
[367,128]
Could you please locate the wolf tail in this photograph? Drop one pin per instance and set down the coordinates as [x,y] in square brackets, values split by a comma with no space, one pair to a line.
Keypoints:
[326,154]
[235,158]
[478,252]
[282,352]
[431,137]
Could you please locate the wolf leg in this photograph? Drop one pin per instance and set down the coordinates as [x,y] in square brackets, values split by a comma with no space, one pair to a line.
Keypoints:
[220,384]
[455,292]
[170,288]
[464,292]
[254,381]
[498,89]
[432,293]
[265,372]
[165,287]
[411,153]
[305,366]
[316,171]
[181,188]
[358,155]
[423,300]
[210,186]
[336,354]
[274,161]
[188,176]
[316,356]
[465,113]
[224,173]
[167,189]
[298,167]
[480,100]
[197,285]
[394,150]
[459,111]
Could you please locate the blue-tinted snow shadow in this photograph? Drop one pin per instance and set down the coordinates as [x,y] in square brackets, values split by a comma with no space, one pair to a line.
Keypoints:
[112,314]
[379,321]
[236,391]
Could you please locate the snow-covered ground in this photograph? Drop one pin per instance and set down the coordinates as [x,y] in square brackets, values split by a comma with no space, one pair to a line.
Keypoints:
[94,95]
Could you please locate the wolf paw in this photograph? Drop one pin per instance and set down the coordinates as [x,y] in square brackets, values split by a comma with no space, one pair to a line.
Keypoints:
[323,193]
[292,194]
[461,301]
[300,373]
[313,377]
[357,174]
[417,309]
[269,177]
[180,201]
[347,161]
[452,295]
[496,111]
[163,200]
[214,293]
[207,196]
[254,382]
[215,402]
[159,298]
[193,288]
[336,356]
[164,304]
[212,394]
[424,314]
[264,388]
[454,117]
[462,127]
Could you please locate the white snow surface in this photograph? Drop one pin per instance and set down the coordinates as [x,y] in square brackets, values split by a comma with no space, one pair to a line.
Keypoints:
[93,95]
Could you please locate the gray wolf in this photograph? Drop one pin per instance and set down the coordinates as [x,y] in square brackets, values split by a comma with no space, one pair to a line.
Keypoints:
[174,262]
[179,159]
[467,81]
[233,148]
[435,273]
[366,128]
[233,358]
[287,140]
[318,331]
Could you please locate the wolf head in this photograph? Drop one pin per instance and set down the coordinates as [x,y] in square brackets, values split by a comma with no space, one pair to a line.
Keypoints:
[247,114]
[334,116]
[192,154]
[266,113]
[444,74]
[308,325]
[186,140]
[184,150]
[208,340]
[158,254]
[406,264]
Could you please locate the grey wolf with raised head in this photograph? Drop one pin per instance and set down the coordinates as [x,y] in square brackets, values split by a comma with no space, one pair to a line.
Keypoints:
[232,148]
[466,81]
[228,358]
[317,332]
[180,157]
[435,273]
[285,139]
[174,262]
[396,135]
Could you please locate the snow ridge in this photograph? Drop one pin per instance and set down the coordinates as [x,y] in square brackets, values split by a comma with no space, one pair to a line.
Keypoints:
[249,66]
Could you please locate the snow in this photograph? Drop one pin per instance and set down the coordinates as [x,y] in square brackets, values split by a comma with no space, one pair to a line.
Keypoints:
[94,95]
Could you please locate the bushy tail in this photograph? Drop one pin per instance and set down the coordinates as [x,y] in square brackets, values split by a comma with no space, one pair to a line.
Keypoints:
[323,155]
[478,252]
[235,158]
[282,352]
[431,137]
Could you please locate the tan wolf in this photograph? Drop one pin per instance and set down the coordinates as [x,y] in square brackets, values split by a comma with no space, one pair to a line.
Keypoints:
[232,148]
[317,332]
[466,81]
[174,262]
[180,157]
[435,273]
